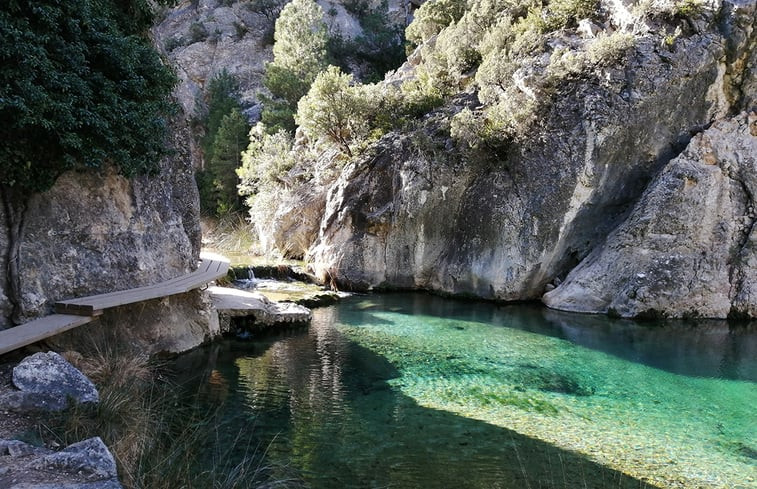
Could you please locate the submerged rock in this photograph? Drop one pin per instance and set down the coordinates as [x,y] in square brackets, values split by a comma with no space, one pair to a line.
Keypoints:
[689,247]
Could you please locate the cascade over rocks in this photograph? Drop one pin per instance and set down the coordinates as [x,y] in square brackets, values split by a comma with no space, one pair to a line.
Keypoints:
[689,246]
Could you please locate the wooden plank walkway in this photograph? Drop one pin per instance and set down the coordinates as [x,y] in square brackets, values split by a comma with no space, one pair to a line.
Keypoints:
[75,312]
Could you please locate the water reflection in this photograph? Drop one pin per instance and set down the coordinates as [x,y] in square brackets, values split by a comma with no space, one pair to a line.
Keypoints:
[417,391]
[323,403]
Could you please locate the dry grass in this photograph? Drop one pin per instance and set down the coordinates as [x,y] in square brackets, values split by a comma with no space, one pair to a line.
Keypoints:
[158,441]
[230,234]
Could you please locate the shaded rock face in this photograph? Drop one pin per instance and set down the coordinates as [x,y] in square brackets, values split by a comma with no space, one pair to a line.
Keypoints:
[689,247]
[173,324]
[402,218]
[99,232]
[84,465]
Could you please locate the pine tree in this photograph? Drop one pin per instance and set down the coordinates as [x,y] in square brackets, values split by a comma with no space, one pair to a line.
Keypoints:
[230,141]
[299,54]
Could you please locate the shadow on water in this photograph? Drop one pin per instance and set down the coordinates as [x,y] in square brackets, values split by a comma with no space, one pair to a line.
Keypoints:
[695,347]
[322,403]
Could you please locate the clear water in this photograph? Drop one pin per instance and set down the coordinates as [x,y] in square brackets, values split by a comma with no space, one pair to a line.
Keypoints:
[415,391]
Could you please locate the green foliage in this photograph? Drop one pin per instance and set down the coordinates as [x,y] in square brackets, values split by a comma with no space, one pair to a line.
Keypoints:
[277,115]
[269,10]
[299,54]
[77,90]
[225,138]
[480,137]
[688,8]
[432,17]
[335,108]
[609,49]
[380,48]
[228,145]
[221,98]
[266,161]
[567,13]
[197,32]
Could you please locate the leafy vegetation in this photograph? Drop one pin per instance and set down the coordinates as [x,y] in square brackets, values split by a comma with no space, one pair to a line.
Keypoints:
[80,87]
[299,54]
[380,47]
[77,91]
[225,137]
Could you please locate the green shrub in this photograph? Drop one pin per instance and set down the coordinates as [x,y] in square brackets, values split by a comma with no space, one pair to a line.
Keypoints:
[173,43]
[335,109]
[432,17]
[688,8]
[380,47]
[609,49]
[197,32]
[266,161]
[68,102]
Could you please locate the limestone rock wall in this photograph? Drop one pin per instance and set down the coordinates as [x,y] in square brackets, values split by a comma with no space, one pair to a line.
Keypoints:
[404,217]
[505,231]
[688,247]
[97,232]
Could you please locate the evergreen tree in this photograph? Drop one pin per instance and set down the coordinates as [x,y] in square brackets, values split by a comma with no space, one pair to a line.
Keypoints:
[230,141]
[299,54]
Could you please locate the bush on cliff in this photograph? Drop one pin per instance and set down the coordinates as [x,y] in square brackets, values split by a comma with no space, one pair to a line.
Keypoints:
[80,86]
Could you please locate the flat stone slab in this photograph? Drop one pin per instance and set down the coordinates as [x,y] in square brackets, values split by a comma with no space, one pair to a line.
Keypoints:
[241,303]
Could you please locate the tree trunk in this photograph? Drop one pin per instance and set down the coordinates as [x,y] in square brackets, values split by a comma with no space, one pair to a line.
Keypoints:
[14,206]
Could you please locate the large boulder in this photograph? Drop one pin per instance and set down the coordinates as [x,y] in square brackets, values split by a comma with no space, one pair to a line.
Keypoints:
[408,215]
[84,465]
[46,382]
[51,373]
[689,247]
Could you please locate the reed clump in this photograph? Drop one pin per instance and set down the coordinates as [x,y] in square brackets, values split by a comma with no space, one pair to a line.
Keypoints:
[159,440]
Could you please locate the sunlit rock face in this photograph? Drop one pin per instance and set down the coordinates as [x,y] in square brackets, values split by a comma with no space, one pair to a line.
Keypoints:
[411,218]
[97,232]
[688,247]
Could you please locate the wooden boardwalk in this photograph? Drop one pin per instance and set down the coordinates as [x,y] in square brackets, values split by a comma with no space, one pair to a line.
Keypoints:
[75,312]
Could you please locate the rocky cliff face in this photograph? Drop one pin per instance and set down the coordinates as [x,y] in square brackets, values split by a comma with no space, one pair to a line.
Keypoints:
[688,247]
[203,38]
[99,232]
[404,216]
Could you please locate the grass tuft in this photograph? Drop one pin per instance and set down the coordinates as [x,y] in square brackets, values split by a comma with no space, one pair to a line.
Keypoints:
[158,441]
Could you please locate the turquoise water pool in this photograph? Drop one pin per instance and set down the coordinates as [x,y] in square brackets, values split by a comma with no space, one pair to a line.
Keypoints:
[411,390]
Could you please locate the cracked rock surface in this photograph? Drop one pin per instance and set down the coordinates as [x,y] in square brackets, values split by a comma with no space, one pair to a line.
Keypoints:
[689,246]
[84,465]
